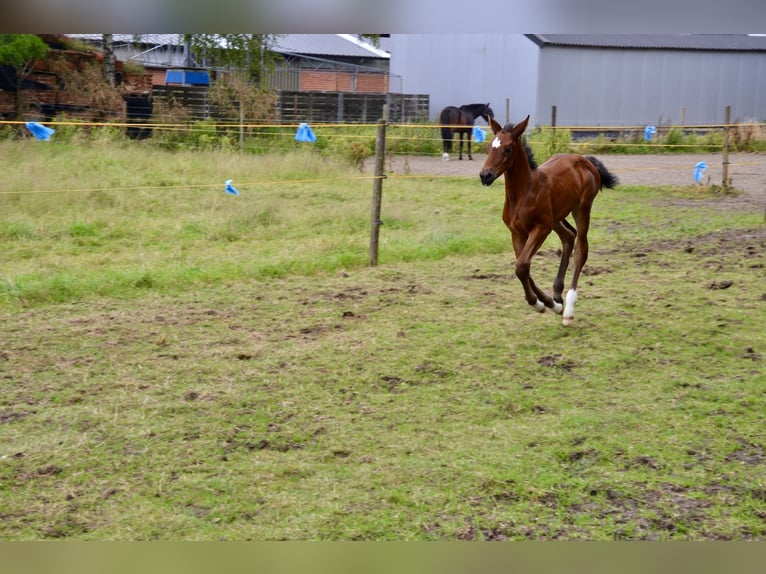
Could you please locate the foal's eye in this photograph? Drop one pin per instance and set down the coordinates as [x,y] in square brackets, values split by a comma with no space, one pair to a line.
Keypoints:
[507,150]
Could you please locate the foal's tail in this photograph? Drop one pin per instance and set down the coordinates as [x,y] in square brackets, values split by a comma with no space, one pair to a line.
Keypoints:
[608,179]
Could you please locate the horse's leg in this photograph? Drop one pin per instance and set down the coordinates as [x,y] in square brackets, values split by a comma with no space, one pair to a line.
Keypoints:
[518,247]
[469,136]
[460,135]
[446,144]
[567,236]
[582,220]
[545,298]
[534,295]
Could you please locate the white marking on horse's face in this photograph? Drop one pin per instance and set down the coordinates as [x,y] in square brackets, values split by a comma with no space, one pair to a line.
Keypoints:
[496,142]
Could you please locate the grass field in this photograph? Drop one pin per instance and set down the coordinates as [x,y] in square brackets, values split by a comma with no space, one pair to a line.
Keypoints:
[177,363]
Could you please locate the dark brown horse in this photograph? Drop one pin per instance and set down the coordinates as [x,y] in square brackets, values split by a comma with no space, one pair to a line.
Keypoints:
[537,201]
[460,121]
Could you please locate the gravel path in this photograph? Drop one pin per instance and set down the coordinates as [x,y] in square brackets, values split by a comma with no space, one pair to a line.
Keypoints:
[747,172]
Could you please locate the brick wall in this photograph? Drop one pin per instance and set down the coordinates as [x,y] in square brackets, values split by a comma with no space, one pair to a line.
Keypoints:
[340,81]
[372,83]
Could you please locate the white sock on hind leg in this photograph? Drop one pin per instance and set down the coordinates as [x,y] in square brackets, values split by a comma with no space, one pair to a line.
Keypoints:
[569,306]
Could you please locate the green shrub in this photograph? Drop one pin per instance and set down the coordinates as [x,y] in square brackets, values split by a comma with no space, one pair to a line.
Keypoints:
[546,142]
[357,151]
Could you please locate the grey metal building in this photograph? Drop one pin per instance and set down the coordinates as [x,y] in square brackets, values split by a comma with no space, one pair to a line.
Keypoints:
[593,80]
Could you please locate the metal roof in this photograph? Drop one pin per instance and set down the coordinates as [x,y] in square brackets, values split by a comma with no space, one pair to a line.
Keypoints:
[708,42]
[151,39]
[345,45]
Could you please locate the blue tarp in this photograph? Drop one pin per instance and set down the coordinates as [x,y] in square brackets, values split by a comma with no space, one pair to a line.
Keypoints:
[478,134]
[187,77]
[649,131]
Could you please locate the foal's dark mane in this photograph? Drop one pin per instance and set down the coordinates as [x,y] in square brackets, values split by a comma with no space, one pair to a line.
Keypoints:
[527,148]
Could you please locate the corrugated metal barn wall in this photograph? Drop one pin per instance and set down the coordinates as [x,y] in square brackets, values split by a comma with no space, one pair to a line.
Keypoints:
[589,86]
[457,69]
[613,87]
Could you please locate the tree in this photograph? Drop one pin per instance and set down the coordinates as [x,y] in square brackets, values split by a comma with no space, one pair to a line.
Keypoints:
[21,51]
[248,53]
[108,42]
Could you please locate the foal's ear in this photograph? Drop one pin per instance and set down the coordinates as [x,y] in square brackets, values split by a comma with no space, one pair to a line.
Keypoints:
[519,128]
[496,127]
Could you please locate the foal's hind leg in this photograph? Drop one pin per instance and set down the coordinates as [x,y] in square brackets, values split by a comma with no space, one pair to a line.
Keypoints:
[567,235]
[582,219]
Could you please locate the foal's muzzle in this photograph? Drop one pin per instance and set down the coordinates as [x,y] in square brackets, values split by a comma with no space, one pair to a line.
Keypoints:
[487,176]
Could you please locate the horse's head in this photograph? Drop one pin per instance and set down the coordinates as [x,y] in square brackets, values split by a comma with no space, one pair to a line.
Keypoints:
[505,149]
[487,113]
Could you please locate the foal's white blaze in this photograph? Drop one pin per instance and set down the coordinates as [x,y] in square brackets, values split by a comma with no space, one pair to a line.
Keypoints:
[570,301]
[496,143]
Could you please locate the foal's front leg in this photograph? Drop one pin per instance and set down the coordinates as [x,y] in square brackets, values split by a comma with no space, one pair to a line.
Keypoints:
[525,250]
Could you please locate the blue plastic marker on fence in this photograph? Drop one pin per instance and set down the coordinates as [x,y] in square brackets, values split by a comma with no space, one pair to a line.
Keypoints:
[649,131]
[478,134]
[41,132]
[699,171]
[230,189]
[305,134]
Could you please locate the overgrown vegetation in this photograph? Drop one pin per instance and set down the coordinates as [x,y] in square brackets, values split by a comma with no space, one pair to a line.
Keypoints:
[88,87]
[548,141]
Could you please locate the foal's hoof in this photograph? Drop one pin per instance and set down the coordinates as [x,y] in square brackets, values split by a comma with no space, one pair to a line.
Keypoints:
[569,308]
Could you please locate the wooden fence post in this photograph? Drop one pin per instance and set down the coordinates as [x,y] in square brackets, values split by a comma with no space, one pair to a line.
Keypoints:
[241,127]
[554,144]
[725,151]
[377,186]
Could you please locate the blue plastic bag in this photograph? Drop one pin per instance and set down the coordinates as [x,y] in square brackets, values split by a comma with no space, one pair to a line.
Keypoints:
[699,171]
[649,131]
[305,134]
[230,189]
[478,134]
[41,132]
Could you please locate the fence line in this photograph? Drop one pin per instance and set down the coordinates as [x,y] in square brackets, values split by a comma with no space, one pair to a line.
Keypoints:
[422,139]
[195,186]
[194,123]
[389,176]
